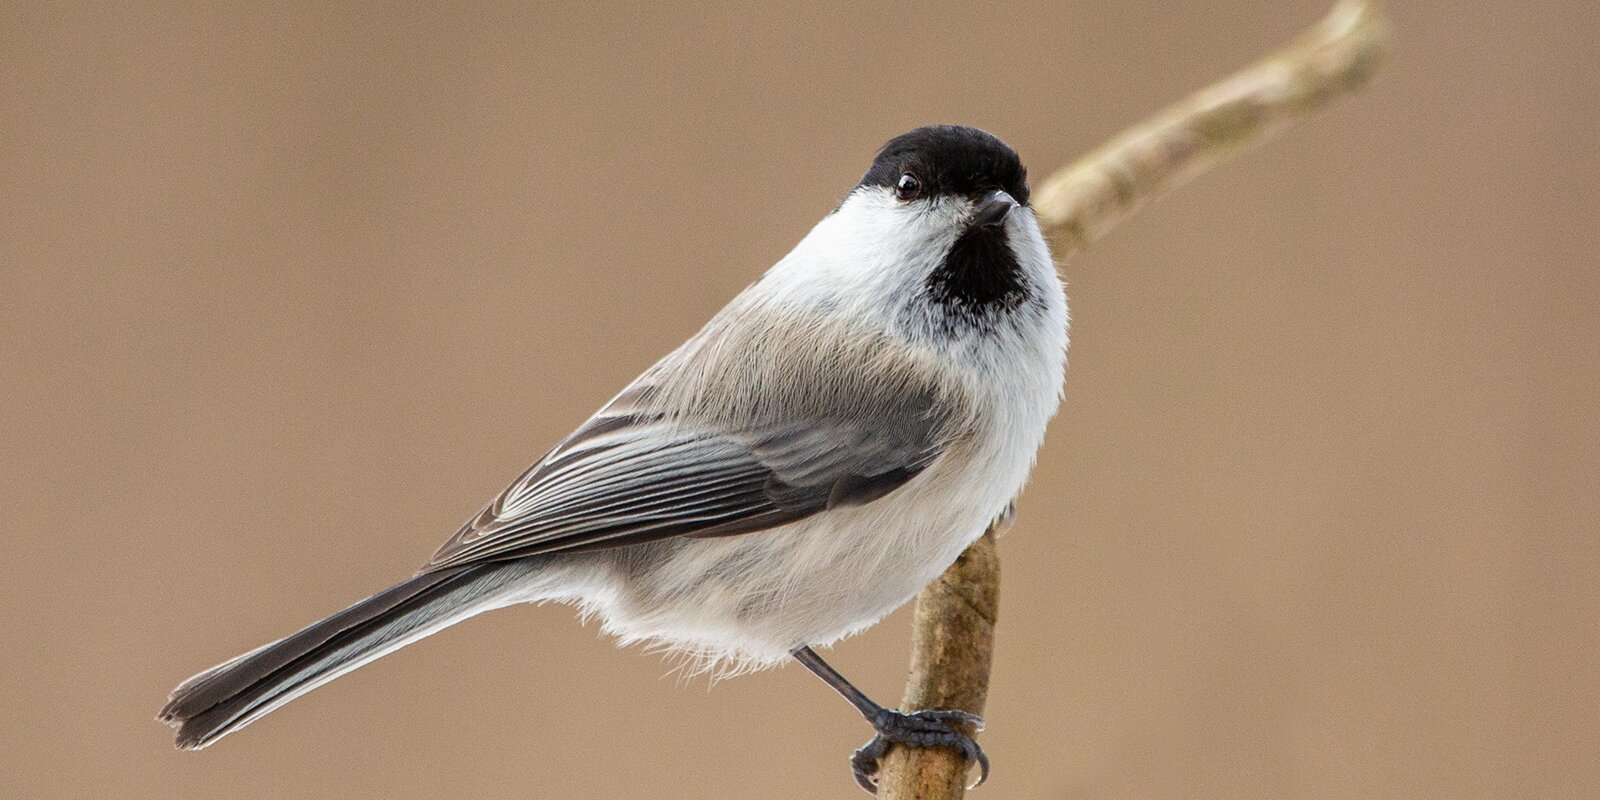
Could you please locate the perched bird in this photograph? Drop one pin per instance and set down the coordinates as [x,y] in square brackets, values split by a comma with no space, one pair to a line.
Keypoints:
[825,446]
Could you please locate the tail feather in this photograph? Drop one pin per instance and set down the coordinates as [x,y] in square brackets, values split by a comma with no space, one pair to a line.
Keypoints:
[233,694]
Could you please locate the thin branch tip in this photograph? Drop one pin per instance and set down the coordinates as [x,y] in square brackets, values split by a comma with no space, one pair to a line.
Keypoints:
[1336,56]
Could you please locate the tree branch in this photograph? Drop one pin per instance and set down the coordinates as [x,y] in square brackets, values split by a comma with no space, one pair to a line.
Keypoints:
[952,642]
[1079,204]
[952,638]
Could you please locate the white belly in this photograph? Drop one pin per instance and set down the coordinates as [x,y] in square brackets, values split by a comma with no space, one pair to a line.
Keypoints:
[745,602]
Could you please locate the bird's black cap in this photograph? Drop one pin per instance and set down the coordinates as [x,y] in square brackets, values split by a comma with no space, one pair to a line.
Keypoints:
[950,160]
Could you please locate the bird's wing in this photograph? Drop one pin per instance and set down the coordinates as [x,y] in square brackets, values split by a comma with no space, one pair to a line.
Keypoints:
[633,475]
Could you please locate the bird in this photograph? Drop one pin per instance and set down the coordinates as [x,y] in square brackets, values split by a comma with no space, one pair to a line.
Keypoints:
[825,446]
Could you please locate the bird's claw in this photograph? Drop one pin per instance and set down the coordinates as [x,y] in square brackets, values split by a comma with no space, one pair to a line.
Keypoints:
[918,729]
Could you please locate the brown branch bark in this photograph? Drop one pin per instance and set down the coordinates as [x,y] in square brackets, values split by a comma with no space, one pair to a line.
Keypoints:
[952,639]
[952,644]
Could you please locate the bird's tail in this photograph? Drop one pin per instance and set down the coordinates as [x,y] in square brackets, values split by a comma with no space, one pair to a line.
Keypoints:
[234,694]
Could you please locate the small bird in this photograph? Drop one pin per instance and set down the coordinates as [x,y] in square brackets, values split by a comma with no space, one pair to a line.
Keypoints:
[803,465]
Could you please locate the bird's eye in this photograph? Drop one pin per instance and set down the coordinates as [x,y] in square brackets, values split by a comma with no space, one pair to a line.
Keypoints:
[908,187]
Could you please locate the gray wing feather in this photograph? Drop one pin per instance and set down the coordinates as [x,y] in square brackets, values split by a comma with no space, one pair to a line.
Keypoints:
[630,475]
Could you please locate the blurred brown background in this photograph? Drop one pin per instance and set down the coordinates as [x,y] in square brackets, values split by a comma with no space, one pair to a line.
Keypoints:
[290,290]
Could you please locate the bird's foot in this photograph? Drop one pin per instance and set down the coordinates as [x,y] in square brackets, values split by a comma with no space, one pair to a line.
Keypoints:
[917,729]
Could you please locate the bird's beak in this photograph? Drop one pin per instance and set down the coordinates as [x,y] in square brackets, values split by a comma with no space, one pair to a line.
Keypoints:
[992,210]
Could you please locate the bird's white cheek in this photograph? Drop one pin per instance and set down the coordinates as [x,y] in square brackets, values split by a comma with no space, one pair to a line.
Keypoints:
[870,250]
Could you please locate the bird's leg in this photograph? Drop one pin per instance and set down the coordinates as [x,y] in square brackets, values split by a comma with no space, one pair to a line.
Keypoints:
[917,729]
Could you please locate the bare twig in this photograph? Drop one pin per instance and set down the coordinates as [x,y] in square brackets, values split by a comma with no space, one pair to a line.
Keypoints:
[953,631]
[1079,204]
[952,641]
